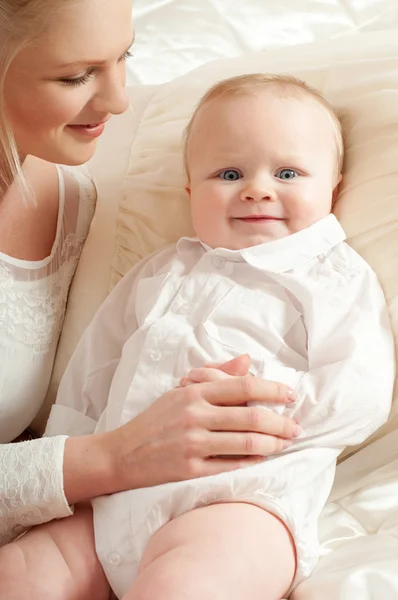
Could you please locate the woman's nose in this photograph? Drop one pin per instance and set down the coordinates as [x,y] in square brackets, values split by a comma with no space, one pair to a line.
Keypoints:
[111,97]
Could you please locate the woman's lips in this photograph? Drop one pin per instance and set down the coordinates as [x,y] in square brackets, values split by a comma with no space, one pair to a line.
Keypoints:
[91,131]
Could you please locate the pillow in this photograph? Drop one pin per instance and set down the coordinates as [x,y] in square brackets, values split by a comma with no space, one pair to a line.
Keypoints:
[360,78]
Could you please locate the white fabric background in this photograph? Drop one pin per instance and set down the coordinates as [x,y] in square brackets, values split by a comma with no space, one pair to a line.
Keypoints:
[175,36]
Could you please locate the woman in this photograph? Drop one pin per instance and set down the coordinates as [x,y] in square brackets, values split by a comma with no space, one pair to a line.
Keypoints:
[62,75]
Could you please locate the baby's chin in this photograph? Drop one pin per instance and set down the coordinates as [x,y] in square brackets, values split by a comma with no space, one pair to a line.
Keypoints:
[245,234]
[243,243]
[258,241]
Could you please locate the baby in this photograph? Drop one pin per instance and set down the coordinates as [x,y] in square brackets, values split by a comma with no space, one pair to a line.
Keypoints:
[268,275]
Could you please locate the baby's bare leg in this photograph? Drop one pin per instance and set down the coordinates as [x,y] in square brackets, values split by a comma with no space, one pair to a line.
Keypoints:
[224,552]
[55,561]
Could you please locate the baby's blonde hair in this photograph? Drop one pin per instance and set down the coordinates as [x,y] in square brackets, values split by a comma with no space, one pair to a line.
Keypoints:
[21,21]
[286,85]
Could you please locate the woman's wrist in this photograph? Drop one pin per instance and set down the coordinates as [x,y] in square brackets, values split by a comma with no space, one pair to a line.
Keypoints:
[89,467]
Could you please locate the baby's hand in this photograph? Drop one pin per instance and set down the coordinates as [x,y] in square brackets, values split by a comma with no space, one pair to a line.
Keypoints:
[237,367]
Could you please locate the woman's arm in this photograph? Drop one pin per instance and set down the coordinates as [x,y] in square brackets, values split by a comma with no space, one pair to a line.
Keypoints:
[181,436]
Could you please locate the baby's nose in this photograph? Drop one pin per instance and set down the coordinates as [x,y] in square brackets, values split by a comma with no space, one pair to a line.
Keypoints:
[257,192]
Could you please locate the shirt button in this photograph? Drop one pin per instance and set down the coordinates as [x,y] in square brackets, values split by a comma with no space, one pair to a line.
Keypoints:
[155,355]
[114,559]
[184,308]
[218,262]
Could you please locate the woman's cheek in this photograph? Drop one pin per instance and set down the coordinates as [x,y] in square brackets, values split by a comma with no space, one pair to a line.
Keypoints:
[64,109]
[64,104]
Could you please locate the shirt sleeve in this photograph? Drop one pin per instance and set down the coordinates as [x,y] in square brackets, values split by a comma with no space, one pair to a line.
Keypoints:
[31,485]
[84,389]
[347,391]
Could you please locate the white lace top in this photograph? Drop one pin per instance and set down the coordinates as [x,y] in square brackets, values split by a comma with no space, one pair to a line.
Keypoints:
[32,304]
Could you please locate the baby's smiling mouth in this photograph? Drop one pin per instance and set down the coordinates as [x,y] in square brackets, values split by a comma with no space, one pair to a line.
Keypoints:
[258,218]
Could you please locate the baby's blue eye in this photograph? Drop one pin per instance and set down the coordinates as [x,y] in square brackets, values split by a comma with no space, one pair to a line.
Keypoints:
[230,175]
[287,174]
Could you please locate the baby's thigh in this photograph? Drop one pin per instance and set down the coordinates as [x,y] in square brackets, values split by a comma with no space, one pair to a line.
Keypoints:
[55,561]
[225,551]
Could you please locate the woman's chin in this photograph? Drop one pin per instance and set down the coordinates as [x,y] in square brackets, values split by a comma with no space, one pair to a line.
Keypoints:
[73,156]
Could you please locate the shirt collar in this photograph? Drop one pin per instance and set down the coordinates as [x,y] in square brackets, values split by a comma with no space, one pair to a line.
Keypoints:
[285,253]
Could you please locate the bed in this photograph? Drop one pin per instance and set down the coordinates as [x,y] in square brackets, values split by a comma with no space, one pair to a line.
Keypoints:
[348,49]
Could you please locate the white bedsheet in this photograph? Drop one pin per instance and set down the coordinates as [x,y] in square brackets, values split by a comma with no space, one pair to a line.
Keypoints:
[359,530]
[175,36]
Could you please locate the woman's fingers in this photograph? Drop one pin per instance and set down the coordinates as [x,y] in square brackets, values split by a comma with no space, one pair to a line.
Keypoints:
[252,418]
[241,390]
[203,375]
[243,444]
[236,366]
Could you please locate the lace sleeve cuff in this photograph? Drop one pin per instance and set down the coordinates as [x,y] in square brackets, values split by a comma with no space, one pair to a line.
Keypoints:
[31,485]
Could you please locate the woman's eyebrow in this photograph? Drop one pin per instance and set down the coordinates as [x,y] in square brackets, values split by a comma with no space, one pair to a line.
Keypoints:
[91,62]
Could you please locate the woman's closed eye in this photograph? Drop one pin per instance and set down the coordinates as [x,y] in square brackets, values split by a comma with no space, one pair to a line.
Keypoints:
[230,175]
[286,174]
[81,80]
[89,74]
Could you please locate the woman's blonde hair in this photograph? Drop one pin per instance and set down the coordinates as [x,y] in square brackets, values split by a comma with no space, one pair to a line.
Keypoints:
[21,21]
[287,85]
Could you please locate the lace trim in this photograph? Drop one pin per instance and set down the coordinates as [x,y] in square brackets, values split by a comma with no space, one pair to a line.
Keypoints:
[34,318]
[31,485]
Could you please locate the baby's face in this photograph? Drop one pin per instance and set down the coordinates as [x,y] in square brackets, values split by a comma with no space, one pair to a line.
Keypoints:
[261,167]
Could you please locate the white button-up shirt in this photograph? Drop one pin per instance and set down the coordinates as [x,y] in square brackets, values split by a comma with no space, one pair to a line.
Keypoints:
[308,310]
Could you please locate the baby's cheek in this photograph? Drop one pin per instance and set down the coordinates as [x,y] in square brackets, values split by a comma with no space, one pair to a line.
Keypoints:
[201,218]
[311,205]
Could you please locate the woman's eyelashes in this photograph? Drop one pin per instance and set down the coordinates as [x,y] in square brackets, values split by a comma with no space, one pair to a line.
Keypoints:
[76,81]
[89,74]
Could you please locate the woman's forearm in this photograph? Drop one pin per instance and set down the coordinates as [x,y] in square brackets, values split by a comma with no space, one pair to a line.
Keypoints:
[88,468]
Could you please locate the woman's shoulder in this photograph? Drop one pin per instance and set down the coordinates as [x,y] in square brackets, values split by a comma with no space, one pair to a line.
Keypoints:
[55,187]
[27,225]
[33,230]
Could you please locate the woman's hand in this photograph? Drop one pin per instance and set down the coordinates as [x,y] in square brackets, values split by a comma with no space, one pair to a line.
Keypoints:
[201,430]
[189,432]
